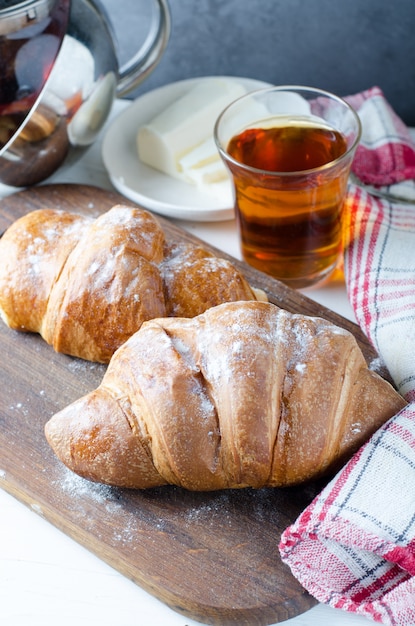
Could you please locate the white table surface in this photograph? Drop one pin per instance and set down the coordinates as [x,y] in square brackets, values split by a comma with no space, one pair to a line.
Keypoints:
[46,579]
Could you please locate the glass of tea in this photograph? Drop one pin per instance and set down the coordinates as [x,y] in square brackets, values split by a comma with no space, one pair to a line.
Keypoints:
[289,151]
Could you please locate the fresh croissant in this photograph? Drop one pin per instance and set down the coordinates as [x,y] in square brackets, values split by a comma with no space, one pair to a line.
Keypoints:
[244,395]
[86,285]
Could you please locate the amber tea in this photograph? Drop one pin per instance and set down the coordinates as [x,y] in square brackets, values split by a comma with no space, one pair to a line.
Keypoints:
[290,175]
[290,231]
[297,146]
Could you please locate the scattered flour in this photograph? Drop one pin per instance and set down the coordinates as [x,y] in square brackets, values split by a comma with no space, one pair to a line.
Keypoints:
[76,486]
[376,365]
[37,508]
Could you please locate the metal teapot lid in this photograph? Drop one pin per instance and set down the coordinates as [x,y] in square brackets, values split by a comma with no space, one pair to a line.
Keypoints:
[17,14]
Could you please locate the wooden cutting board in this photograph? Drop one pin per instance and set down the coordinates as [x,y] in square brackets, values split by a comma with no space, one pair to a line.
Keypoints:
[210,556]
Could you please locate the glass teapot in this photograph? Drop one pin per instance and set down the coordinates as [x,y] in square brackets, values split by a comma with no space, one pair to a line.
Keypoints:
[59,75]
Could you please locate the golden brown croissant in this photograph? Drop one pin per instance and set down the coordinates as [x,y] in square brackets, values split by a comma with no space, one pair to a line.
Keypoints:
[245,394]
[86,285]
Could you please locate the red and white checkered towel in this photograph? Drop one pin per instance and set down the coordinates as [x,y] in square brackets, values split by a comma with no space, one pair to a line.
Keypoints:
[354,546]
[386,153]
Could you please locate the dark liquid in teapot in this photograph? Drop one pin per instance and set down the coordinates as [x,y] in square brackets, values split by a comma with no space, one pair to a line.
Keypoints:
[27,56]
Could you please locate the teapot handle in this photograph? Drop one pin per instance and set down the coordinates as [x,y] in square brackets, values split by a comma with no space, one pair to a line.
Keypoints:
[134,71]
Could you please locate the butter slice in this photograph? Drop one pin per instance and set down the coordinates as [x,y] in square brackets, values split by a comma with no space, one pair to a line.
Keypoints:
[184,126]
[203,165]
[203,154]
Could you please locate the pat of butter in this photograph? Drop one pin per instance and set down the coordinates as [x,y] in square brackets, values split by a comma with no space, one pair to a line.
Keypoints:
[207,174]
[203,154]
[185,127]
[203,165]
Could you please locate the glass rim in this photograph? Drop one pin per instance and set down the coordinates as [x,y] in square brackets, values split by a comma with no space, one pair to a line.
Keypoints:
[291,88]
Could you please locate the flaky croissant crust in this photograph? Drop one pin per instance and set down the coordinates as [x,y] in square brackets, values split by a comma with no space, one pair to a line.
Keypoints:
[86,285]
[244,395]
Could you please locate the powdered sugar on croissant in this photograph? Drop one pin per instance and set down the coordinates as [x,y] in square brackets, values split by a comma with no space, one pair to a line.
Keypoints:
[86,285]
[245,394]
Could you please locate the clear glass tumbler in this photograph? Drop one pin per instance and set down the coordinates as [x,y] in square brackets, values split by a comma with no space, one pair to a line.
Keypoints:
[289,151]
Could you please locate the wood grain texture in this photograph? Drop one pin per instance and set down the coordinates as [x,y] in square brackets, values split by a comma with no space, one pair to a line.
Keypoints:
[210,556]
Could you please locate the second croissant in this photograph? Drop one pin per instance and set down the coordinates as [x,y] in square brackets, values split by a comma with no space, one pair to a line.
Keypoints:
[86,285]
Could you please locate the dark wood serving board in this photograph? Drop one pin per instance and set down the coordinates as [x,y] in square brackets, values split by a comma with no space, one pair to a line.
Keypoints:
[210,556]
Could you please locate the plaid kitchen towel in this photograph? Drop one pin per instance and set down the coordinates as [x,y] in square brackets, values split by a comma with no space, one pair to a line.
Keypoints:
[386,154]
[354,546]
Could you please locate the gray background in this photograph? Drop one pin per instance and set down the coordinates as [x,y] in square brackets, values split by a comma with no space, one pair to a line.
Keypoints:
[341,45]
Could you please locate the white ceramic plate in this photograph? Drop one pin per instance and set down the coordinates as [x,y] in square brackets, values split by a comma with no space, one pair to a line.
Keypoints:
[146,186]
